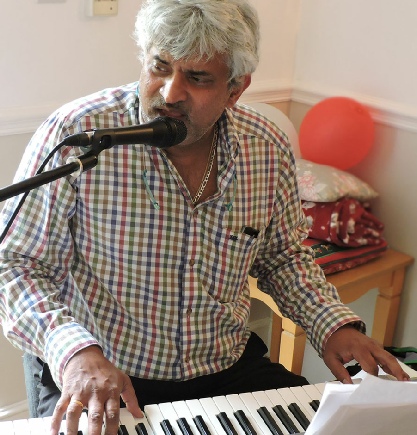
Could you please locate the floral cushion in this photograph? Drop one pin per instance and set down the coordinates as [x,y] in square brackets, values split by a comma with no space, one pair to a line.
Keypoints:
[322,183]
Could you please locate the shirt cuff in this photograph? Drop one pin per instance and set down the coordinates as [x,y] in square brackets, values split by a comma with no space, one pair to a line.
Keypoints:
[329,322]
[61,344]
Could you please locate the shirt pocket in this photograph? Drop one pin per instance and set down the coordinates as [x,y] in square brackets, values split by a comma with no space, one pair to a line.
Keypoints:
[226,260]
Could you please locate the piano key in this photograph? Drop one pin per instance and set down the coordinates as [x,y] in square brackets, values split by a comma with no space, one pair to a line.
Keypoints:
[225,407]
[269,421]
[288,395]
[131,423]
[39,426]
[171,416]
[155,416]
[264,400]
[303,399]
[202,425]
[199,413]
[240,406]
[286,419]
[21,426]
[184,426]
[6,427]
[227,425]
[253,408]
[284,397]
[212,411]
[299,415]
[184,412]
[167,427]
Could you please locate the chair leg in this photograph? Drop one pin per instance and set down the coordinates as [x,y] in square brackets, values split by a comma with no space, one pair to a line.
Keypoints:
[31,382]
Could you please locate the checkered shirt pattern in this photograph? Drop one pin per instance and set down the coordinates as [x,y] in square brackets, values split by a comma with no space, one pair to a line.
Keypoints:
[119,257]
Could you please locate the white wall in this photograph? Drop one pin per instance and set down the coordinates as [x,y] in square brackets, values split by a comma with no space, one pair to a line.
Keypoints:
[51,53]
[364,49]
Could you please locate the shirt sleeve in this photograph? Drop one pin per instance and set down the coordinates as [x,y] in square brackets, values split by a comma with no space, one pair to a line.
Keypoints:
[286,269]
[35,260]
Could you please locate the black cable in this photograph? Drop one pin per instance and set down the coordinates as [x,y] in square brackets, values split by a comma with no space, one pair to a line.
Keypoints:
[22,200]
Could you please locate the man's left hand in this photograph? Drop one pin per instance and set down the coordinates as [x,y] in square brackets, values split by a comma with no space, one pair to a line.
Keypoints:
[347,344]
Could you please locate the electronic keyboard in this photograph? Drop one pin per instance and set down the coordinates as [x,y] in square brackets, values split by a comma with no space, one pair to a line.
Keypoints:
[272,412]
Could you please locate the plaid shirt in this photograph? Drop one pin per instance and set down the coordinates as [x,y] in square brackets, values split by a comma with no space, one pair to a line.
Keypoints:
[120,257]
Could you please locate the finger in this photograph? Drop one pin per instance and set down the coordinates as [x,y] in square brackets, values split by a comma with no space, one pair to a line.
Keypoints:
[73,414]
[128,396]
[390,365]
[112,416]
[58,416]
[339,370]
[95,418]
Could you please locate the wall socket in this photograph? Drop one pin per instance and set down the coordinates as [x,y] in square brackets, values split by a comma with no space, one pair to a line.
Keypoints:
[102,7]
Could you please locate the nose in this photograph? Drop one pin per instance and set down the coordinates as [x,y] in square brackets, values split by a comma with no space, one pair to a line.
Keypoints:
[174,89]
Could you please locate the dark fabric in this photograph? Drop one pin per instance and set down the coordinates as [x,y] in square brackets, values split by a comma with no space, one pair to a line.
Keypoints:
[252,372]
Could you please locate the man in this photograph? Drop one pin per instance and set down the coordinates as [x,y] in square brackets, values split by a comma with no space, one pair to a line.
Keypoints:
[130,280]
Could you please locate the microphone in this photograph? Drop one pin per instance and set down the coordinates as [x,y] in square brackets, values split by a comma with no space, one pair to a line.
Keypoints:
[163,132]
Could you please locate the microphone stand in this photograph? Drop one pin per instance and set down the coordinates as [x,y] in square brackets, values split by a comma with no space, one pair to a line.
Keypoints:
[83,163]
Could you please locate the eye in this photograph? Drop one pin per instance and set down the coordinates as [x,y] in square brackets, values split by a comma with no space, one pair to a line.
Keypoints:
[199,79]
[160,67]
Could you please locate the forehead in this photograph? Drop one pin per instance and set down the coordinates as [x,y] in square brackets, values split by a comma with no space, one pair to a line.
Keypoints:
[217,63]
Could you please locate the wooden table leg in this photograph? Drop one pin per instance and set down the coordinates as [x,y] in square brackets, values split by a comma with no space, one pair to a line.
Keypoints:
[293,340]
[386,308]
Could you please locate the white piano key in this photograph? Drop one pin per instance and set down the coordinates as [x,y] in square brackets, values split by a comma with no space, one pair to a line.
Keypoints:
[211,411]
[278,399]
[183,411]
[239,404]
[169,413]
[303,399]
[252,406]
[154,415]
[197,409]
[38,426]
[263,400]
[21,426]
[6,427]
[224,406]
[313,391]
[130,422]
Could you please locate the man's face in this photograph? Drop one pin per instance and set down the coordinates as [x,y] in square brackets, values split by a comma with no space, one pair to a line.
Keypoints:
[196,92]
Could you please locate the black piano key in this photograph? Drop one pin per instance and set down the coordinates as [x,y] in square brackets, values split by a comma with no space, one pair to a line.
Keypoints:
[140,429]
[184,426]
[226,424]
[269,421]
[299,415]
[167,427]
[315,404]
[80,432]
[285,419]
[201,425]
[122,430]
[244,423]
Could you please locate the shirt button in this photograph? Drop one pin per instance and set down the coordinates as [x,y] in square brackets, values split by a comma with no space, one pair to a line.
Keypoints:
[187,359]
[188,312]
[191,263]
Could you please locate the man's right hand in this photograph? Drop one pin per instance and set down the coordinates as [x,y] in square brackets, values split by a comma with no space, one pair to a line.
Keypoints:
[91,381]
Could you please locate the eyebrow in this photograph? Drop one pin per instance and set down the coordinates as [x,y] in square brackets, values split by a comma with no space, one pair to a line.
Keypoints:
[201,73]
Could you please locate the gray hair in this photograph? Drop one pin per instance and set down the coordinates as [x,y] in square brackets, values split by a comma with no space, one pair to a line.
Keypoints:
[201,28]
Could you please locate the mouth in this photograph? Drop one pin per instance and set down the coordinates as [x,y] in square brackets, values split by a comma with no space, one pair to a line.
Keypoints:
[171,113]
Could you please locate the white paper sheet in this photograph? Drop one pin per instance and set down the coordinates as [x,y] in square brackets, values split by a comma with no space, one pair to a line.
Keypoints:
[375,406]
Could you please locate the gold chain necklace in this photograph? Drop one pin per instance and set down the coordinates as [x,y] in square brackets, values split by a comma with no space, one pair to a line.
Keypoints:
[208,169]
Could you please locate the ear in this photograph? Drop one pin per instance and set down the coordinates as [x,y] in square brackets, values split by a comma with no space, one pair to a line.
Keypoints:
[238,89]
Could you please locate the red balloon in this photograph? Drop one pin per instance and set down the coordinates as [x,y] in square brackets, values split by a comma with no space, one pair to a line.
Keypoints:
[337,132]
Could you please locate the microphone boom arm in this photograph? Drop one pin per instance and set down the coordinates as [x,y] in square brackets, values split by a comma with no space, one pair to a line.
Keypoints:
[83,163]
